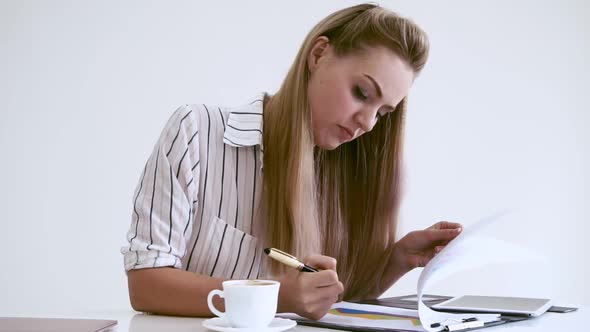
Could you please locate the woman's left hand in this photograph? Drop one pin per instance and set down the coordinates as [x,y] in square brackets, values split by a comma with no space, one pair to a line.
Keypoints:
[417,248]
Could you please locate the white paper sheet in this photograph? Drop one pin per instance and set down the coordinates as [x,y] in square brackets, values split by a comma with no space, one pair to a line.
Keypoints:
[469,250]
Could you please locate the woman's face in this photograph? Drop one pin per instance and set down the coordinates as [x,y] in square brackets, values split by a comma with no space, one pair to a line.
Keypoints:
[347,95]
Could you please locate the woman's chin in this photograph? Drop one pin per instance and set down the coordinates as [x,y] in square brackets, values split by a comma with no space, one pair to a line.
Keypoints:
[328,144]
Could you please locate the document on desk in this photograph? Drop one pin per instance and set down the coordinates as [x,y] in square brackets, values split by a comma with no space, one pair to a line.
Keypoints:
[365,317]
[469,250]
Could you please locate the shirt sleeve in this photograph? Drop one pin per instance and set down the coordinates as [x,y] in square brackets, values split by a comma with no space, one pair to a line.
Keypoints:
[166,197]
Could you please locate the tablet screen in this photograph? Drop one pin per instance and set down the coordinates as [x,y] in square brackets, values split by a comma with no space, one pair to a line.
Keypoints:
[497,304]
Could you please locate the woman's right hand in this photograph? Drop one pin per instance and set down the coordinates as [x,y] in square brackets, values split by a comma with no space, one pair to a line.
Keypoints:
[311,294]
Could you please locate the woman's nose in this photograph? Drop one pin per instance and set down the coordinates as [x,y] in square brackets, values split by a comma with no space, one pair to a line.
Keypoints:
[366,119]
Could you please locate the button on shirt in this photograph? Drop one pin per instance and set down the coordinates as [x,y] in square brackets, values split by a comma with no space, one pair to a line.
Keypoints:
[194,207]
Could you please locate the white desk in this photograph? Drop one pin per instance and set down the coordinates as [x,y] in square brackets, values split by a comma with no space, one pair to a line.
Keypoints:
[130,321]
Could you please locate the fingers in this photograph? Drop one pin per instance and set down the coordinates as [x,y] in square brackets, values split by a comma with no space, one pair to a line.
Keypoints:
[314,293]
[315,303]
[442,235]
[324,278]
[321,262]
[330,292]
[446,225]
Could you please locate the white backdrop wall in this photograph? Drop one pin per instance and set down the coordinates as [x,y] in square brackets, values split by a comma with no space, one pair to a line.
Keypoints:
[497,120]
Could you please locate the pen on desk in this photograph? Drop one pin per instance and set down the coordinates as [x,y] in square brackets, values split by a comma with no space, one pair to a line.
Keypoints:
[466,320]
[288,260]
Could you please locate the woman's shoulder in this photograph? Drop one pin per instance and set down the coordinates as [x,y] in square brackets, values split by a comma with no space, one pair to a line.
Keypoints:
[237,124]
[216,113]
[193,116]
[215,116]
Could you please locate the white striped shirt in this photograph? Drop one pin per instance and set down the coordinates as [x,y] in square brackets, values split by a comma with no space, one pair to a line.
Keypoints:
[194,207]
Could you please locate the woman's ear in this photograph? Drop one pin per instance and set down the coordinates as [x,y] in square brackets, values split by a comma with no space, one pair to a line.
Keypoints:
[318,51]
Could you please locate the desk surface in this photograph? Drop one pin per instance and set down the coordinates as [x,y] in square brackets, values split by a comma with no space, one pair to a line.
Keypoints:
[130,321]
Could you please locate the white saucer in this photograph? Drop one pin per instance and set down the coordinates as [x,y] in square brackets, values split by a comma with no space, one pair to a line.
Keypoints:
[221,325]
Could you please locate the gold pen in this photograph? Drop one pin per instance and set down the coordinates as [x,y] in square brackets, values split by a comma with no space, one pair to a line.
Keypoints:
[288,260]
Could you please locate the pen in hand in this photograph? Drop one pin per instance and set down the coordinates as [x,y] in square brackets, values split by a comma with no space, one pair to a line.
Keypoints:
[288,260]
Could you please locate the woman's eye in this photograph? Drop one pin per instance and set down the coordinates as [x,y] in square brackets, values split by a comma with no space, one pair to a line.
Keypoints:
[359,93]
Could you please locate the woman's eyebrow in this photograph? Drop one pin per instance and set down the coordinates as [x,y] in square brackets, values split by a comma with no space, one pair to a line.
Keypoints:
[378,88]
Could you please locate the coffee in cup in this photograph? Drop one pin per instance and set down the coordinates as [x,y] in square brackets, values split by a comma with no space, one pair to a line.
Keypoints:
[248,303]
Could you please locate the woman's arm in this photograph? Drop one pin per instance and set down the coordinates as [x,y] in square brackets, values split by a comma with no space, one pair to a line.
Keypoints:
[172,291]
[163,209]
[176,292]
[392,271]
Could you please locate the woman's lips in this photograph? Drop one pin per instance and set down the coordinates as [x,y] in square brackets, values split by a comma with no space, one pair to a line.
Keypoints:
[347,134]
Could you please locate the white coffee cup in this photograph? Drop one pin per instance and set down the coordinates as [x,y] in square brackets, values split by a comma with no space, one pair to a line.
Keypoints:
[248,303]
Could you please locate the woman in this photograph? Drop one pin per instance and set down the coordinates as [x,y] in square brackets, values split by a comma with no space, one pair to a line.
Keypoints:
[314,170]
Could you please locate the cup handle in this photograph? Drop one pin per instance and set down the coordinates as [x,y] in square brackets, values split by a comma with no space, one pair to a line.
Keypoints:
[211,305]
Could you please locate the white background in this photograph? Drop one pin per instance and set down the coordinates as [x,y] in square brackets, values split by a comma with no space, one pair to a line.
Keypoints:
[498,119]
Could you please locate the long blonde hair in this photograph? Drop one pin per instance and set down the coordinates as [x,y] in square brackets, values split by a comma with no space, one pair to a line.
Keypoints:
[342,203]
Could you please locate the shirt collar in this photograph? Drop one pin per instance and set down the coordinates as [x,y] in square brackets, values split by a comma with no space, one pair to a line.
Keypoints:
[244,124]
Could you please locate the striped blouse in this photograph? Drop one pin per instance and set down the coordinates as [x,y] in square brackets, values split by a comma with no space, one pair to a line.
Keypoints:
[194,206]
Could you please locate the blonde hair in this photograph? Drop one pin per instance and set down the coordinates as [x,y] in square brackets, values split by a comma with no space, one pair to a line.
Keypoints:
[342,203]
